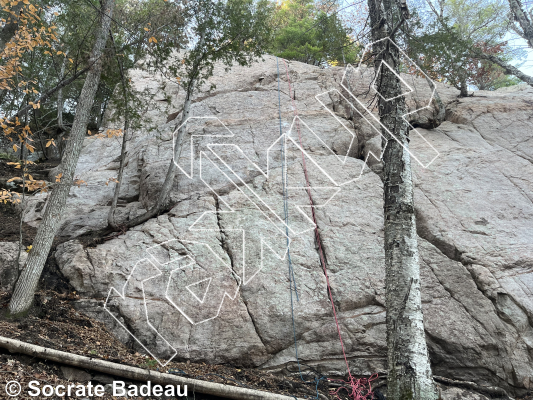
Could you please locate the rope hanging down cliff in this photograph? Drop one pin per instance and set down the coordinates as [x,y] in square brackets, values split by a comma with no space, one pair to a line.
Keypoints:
[360,388]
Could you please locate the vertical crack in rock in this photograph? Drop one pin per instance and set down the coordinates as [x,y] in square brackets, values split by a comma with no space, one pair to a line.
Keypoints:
[452,295]
[89,259]
[227,250]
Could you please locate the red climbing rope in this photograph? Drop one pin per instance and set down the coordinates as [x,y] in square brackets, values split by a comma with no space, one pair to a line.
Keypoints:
[360,388]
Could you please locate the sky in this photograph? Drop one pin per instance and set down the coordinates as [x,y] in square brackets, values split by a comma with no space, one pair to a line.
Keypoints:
[525,64]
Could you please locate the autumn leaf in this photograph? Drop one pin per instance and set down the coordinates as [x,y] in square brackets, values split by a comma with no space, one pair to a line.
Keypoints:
[79,182]
[58,177]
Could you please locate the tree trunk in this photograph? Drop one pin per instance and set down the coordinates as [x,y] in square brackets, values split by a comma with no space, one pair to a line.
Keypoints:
[178,141]
[50,92]
[27,282]
[463,87]
[111,216]
[409,371]
[171,171]
[60,104]
[60,96]
[508,68]
[523,20]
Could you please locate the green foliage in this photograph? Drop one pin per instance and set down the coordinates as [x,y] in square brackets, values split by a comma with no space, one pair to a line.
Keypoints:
[305,33]
[8,157]
[149,364]
[230,31]
[140,29]
[443,45]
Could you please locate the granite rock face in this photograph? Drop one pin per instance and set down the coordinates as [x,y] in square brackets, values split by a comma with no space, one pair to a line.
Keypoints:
[9,270]
[210,279]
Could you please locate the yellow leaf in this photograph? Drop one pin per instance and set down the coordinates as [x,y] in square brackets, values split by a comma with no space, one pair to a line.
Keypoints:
[146,29]
[58,177]
[153,39]
[15,147]
[70,59]
[29,248]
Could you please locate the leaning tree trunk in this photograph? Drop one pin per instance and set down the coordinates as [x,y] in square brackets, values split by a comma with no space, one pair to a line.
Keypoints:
[27,283]
[525,22]
[125,138]
[409,371]
[164,193]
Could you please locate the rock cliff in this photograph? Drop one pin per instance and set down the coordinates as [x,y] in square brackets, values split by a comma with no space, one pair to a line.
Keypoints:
[209,280]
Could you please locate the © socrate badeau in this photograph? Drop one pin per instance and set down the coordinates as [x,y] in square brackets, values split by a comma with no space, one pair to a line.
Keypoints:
[119,389]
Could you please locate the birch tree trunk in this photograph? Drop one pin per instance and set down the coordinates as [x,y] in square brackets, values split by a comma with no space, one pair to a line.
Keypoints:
[27,283]
[409,370]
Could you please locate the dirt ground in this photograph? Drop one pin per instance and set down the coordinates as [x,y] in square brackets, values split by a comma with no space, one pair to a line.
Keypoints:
[54,323]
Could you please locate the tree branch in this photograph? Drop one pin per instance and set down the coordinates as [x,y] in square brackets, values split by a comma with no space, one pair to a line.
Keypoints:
[521,17]
[508,68]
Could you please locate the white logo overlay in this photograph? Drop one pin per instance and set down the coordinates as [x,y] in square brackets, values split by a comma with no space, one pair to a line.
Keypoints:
[13,388]
[187,272]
